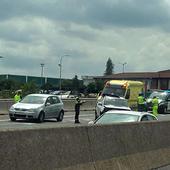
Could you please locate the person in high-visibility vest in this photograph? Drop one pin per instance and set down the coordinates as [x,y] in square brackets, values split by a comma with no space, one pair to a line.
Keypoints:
[141,102]
[155,106]
[17,97]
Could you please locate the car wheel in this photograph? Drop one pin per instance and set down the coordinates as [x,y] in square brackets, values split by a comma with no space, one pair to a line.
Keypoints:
[12,119]
[165,110]
[162,110]
[96,116]
[61,116]
[41,117]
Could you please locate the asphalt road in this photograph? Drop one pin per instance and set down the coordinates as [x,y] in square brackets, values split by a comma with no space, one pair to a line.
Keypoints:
[85,117]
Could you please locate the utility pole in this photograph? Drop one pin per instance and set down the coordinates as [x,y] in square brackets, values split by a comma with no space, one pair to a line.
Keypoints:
[42,71]
[1,57]
[60,65]
[123,66]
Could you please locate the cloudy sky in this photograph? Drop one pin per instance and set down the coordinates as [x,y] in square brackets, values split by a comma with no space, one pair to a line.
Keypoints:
[84,33]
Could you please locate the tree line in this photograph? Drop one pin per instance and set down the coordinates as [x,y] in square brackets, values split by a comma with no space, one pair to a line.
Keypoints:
[8,87]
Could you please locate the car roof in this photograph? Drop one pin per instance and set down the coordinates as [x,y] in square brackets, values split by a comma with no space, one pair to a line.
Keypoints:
[41,95]
[131,112]
[113,97]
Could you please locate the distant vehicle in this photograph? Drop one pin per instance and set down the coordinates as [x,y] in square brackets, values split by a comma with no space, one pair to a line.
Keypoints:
[39,107]
[110,103]
[64,94]
[55,92]
[124,88]
[163,99]
[121,116]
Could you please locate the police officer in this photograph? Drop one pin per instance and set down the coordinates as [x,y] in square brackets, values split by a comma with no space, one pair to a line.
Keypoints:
[17,97]
[155,106]
[78,103]
[141,102]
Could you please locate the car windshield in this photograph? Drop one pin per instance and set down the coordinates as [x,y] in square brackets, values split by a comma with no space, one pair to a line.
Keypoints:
[116,102]
[160,95]
[33,99]
[116,118]
[114,90]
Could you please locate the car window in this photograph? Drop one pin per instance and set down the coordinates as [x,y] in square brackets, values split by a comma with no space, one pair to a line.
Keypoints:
[116,102]
[168,98]
[33,100]
[116,118]
[148,118]
[114,90]
[55,99]
[144,118]
[50,100]
[160,95]
[151,117]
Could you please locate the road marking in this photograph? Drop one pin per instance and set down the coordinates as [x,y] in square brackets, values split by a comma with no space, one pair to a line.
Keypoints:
[81,115]
[4,120]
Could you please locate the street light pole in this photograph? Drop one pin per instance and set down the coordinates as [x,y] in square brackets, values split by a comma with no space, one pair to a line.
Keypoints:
[42,71]
[60,65]
[123,65]
[1,57]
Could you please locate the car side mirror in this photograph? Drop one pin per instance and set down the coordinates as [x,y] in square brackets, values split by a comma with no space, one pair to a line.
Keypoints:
[99,103]
[91,122]
[48,104]
[127,94]
[99,94]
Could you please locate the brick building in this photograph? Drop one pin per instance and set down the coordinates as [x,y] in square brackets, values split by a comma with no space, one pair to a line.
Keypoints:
[152,80]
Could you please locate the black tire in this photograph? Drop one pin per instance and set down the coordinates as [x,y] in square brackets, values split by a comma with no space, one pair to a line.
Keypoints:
[13,119]
[165,110]
[162,110]
[41,117]
[61,116]
[96,115]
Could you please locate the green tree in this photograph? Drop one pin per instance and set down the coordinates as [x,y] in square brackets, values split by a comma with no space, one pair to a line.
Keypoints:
[75,83]
[9,85]
[67,84]
[29,88]
[109,67]
[47,86]
[91,88]
[99,85]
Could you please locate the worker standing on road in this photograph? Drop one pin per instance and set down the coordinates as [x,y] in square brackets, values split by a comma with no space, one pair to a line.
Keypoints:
[155,106]
[17,97]
[78,103]
[141,102]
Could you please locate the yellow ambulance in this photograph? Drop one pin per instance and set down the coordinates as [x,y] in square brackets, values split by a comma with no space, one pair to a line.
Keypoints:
[127,89]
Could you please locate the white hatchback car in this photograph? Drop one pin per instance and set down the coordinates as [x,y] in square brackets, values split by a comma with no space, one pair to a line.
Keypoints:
[38,106]
[110,103]
[122,116]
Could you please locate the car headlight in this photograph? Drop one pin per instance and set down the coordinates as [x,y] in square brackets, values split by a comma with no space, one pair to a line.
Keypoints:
[32,110]
[12,108]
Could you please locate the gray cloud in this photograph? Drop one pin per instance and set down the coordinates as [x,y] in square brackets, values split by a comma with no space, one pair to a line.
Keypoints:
[95,13]
[38,31]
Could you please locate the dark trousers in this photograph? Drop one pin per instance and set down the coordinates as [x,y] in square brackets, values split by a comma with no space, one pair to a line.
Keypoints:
[141,107]
[77,111]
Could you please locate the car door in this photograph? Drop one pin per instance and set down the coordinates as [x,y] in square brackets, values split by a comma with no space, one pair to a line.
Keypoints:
[168,103]
[57,106]
[100,106]
[148,118]
[49,107]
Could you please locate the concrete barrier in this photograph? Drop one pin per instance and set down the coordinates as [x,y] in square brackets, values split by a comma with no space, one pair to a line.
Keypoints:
[137,146]
[68,104]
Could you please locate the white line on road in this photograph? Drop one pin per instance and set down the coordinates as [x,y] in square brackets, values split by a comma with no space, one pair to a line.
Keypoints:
[4,120]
